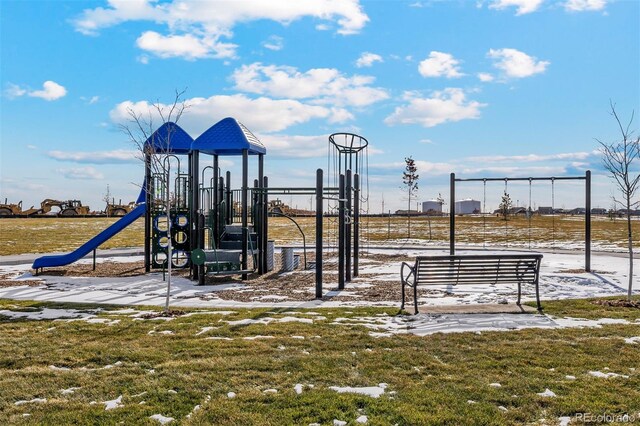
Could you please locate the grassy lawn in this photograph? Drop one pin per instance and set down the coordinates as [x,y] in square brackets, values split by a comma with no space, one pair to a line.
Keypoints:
[430,380]
[36,235]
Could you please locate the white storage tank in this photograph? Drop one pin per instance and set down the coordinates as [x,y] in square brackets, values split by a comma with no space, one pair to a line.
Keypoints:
[468,206]
[432,206]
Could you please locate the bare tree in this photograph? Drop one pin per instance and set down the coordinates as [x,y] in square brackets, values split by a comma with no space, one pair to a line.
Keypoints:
[139,129]
[107,199]
[410,180]
[619,159]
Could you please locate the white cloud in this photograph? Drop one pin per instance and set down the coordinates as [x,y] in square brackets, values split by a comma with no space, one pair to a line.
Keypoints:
[512,171]
[440,64]
[96,157]
[32,147]
[14,91]
[81,173]
[322,85]
[274,42]
[50,91]
[584,5]
[424,168]
[186,46]
[448,105]
[367,59]
[90,101]
[583,155]
[523,6]
[485,77]
[196,26]
[260,115]
[295,146]
[516,64]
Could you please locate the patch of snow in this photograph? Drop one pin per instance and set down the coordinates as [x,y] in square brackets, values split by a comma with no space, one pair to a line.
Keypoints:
[470,401]
[378,334]
[171,391]
[372,391]
[362,419]
[165,332]
[602,375]
[257,337]
[298,388]
[231,395]
[113,404]
[298,337]
[115,364]
[495,385]
[270,391]
[204,330]
[55,368]
[218,338]
[68,391]
[548,393]
[47,314]
[632,340]
[32,401]
[564,420]
[337,422]
[161,419]
[502,408]
[570,377]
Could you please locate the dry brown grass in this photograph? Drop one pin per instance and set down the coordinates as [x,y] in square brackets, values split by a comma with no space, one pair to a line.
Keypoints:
[56,234]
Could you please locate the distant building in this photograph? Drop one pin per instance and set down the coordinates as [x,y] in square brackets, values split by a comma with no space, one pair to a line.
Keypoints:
[598,210]
[577,210]
[432,207]
[467,206]
[545,210]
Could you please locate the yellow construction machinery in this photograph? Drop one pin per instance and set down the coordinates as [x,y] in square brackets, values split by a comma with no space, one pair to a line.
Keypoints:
[67,208]
[113,209]
[15,209]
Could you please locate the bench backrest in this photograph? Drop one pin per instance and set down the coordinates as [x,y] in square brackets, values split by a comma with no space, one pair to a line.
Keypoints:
[477,269]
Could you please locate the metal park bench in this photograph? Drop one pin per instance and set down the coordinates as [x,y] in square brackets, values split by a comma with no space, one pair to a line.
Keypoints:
[472,269]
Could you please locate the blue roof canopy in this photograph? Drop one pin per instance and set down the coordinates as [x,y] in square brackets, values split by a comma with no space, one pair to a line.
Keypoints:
[169,139]
[228,137]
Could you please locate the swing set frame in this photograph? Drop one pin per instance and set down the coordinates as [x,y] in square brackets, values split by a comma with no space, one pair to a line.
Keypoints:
[587,221]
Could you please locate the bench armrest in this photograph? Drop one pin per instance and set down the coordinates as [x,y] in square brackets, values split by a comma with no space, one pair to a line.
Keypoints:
[405,278]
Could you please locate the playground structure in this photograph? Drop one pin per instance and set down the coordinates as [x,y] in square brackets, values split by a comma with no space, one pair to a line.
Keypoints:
[530,180]
[213,228]
[195,219]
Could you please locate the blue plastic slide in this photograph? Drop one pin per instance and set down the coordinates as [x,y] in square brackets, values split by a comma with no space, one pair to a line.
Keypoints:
[92,244]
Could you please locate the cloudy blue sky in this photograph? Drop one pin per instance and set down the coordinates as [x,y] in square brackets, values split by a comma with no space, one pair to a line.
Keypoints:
[479,88]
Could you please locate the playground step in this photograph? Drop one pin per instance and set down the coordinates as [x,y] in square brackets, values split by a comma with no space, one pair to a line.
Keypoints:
[223,255]
[236,229]
[238,237]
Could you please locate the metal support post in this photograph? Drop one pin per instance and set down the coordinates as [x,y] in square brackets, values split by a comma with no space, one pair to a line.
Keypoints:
[319,208]
[587,222]
[341,216]
[452,214]
[229,199]
[261,243]
[147,213]
[265,223]
[347,236]
[245,208]
[356,223]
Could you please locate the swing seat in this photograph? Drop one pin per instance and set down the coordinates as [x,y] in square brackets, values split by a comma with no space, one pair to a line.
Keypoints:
[472,269]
